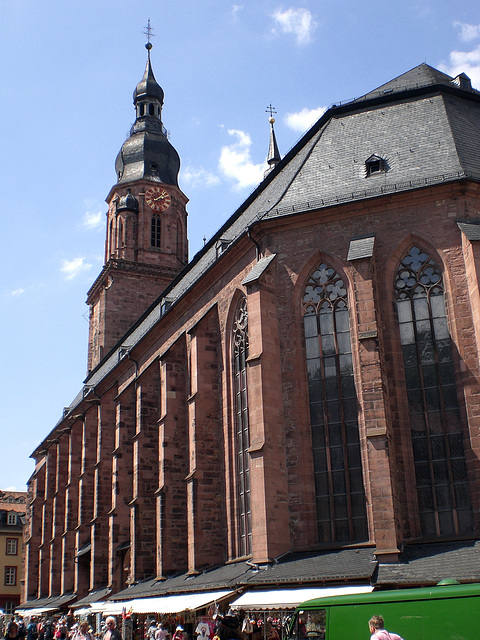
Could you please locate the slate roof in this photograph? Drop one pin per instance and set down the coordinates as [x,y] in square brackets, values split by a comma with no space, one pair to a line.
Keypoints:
[353,565]
[470,229]
[329,566]
[422,124]
[226,576]
[55,602]
[427,564]
[93,596]
[421,564]
[419,77]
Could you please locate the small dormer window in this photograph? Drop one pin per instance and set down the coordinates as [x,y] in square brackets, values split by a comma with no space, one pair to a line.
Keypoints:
[12,519]
[221,245]
[374,164]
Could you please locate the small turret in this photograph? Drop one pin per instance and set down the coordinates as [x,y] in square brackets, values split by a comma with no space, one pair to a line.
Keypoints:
[273,157]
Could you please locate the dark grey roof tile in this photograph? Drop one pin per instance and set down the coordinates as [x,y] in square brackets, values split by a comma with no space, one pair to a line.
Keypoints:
[429,563]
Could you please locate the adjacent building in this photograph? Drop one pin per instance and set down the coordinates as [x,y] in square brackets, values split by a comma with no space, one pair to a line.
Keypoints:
[297,405]
[13,506]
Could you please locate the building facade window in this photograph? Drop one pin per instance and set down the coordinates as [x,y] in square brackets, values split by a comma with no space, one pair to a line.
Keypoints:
[9,607]
[11,546]
[435,424]
[10,576]
[339,487]
[156,232]
[240,354]
[12,519]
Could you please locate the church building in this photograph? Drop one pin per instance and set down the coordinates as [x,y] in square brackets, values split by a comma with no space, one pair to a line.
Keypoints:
[299,404]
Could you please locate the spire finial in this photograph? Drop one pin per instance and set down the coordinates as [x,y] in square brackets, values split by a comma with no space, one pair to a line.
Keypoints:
[273,153]
[149,33]
[270,110]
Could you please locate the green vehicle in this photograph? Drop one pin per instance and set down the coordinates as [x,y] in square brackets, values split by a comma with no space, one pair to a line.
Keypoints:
[443,612]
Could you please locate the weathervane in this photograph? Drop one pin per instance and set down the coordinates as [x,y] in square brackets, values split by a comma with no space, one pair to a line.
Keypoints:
[149,33]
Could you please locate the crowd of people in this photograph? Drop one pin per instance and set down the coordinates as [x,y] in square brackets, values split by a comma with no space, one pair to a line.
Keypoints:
[65,628]
[226,628]
[51,629]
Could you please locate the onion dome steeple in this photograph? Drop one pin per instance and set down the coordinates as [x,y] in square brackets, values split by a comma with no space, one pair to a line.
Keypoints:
[148,88]
[147,153]
[273,157]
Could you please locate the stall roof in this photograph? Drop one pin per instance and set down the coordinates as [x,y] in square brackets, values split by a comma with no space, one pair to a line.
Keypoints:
[291,598]
[163,604]
[35,612]
[44,605]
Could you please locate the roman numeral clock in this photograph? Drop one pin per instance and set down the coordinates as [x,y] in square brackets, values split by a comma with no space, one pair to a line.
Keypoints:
[158,198]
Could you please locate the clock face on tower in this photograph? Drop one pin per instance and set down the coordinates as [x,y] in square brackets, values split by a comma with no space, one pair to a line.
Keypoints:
[158,198]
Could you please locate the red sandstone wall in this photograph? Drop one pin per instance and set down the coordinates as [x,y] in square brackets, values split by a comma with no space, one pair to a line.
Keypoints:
[171,406]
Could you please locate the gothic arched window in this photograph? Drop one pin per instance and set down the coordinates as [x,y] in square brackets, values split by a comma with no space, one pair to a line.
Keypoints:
[240,354]
[156,232]
[120,240]
[339,488]
[435,423]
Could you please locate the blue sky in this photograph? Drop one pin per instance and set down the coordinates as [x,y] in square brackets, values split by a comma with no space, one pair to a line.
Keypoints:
[67,74]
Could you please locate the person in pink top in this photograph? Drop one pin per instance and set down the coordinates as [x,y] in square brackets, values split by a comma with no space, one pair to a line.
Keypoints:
[378,631]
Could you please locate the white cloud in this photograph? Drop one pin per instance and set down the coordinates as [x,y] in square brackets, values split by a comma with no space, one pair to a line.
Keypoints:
[235,9]
[94,220]
[303,120]
[468,32]
[72,268]
[235,161]
[299,22]
[464,62]
[17,292]
[199,177]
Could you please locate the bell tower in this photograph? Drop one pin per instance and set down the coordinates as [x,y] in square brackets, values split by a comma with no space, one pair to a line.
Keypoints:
[146,237]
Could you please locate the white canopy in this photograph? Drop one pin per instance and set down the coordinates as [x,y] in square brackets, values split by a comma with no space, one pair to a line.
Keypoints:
[35,612]
[161,604]
[291,598]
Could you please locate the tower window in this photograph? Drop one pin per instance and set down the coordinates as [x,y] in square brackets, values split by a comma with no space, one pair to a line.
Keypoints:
[142,109]
[151,109]
[156,232]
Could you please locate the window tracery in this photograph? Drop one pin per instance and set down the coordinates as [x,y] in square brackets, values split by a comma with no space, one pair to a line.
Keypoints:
[240,354]
[339,488]
[435,422]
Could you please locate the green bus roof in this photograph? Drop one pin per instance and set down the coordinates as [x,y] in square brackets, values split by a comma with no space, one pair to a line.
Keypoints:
[396,595]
